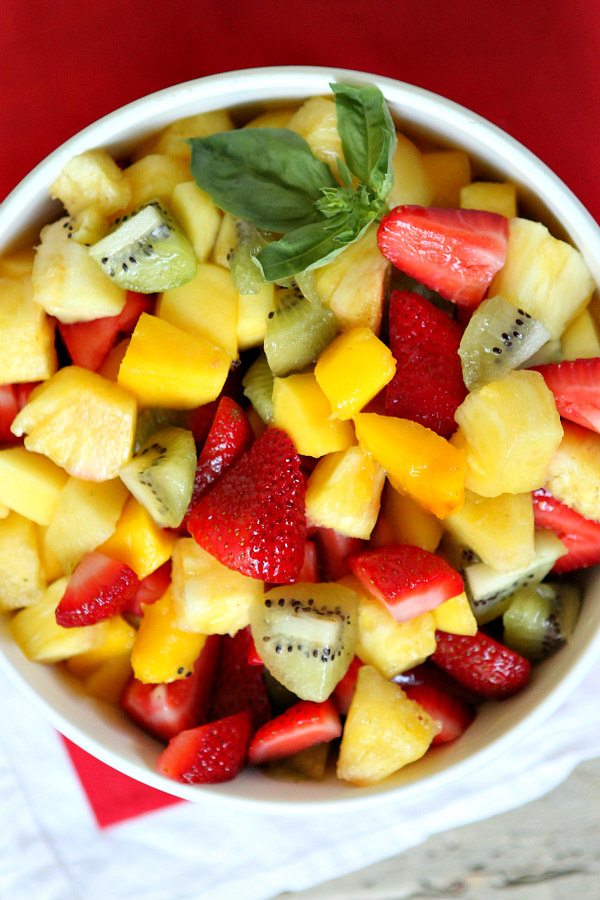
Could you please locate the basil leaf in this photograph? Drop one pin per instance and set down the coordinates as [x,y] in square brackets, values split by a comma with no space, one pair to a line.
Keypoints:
[305,248]
[368,135]
[267,176]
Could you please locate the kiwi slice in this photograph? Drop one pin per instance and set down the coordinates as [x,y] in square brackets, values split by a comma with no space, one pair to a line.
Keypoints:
[151,419]
[498,338]
[541,618]
[490,591]
[161,475]
[298,329]
[258,387]
[146,252]
[306,634]
[245,274]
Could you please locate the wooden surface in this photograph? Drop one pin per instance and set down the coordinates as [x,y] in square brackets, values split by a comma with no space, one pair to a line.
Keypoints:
[546,850]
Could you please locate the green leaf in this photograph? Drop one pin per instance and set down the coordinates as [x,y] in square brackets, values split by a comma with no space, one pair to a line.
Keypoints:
[300,250]
[267,176]
[368,135]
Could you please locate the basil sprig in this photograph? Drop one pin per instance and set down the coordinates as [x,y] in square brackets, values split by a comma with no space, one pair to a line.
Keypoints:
[270,177]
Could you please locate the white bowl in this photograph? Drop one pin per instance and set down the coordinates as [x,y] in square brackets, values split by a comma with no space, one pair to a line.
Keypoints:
[102,730]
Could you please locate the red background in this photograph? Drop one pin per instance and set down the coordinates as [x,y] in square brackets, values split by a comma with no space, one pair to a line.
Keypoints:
[531,67]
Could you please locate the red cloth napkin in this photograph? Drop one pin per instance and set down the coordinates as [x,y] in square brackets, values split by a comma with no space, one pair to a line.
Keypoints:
[534,73]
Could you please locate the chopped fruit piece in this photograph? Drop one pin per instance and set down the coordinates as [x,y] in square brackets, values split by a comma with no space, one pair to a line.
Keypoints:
[316,121]
[302,410]
[310,567]
[310,763]
[417,460]
[409,581]
[451,715]
[573,474]
[541,618]
[253,519]
[22,576]
[98,589]
[30,484]
[352,370]
[412,184]
[576,388]
[378,708]
[496,197]
[344,689]
[117,640]
[239,686]
[9,407]
[580,536]
[455,616]
[91,178]
[428,385]
[499,530]
[253,311]
[198,216]
[253,657]
[481,664]
[298,330]
[164,710]
[301,726]
[208,754]
[172,140]
[154,177]
[581,339]
[138,541]
[334,550]
[454,252]
[449,172]
[409,522]
[26,335]
[163,652]
[151,589]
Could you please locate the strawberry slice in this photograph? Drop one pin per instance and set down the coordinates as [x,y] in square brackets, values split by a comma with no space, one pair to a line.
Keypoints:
[310,566]
[576,388]
[451,714]
[455,252]
[88,343]
[229,437]
[9,407]
[253,519]
[239,685]
[406,579]
[99,587]
[344,690]
[428,385]
[163,710]
[334,550]
[208,754]
[302,725]
[151,589]
[580,536]
[481,664]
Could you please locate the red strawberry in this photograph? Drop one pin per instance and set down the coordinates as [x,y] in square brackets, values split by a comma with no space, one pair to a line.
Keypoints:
[253,657]
[229,437]
[253,519]
[151,589]
[238,684]
[334,549]
[9,407]
[302,725]
[455,252]
[163,710]
[208,754]
[481,664]
[576,388]
[428,385]
[200,419]
[310,566]
[406,579]
[88,343]
[99,587]
[344,690]
[580,536]
[451,714]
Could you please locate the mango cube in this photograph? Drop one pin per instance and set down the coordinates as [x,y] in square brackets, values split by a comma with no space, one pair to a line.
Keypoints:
[449,171]
[353,369]
[26,335]
[138,541]
[493,196]
[22,577]
[455,616]
[409,522]
[162,652]
[302,410]
[197,215]
[30,483]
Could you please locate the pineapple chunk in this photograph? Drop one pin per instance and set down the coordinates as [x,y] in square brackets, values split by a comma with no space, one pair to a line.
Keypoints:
[26,335]
[500,530]
[18,264]
[511,429]
[253,311]
[353,284]
[384,731]
[316,122]
[581,339]
[92,178]
[80,421]
[207,596]
[30,484]
[117,640]
[138,541]
[154,177]
[343,492]
[50,563]
[198,216]
[85,516]
[412,183]
[409,522]
[172,140]
[455,616]
[574,471]
[67,283]
[162,652]
[449,171]
[301,408]
[165,366]
[543,275]
[353,369]
[22,577]
[206,305]
[496,197]
[108,681]
[272,118]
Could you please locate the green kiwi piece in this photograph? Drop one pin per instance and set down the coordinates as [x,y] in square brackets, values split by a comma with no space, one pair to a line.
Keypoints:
[246,275]
[306,634]
[146,252]
[310,763]
[258,388]
[151,419]
[298,330]
[161,475]
[541,618]
[490,591]
[498,338]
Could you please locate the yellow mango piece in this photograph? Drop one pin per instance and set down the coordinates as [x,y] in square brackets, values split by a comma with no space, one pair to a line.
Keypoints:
[138,541]
[417,461]
[492,196]
[302,410]
[30,483]
[117,640]
[353,369]
[172,140]
[26,335]
[343,492]
[166,366]
[197,215]
[412,183]
[80,421]
[112,362]
[162,652]
[154,177]
[455,616]
[581,339]
[409,522]
[22,576]
[206,305]
[252,316]
[449,171]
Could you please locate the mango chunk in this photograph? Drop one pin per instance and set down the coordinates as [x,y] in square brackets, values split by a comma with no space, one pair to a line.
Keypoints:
[493,196]
[455,616]
[138,541]
[162,652]
[302,410]
[449,171]
[409,522]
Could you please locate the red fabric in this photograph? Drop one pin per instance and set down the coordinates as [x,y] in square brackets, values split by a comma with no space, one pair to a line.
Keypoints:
[533,72]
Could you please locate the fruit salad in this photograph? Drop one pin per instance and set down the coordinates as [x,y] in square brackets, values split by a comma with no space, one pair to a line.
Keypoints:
[299,440]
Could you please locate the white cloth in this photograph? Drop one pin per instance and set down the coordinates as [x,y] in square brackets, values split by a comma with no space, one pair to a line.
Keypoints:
[52,849]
